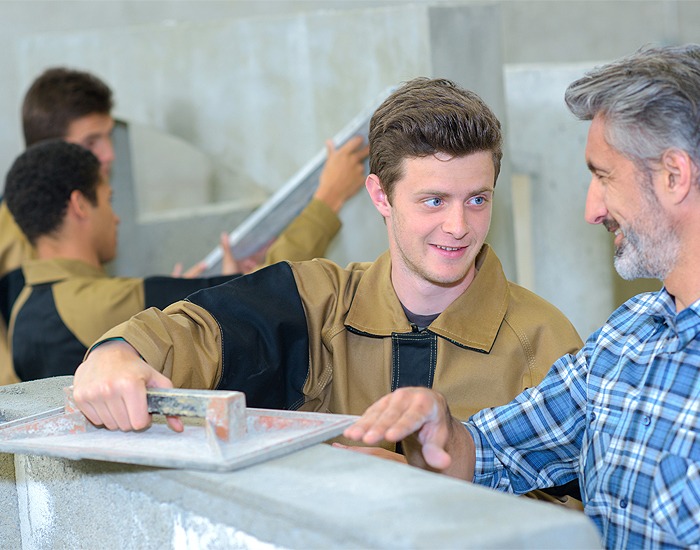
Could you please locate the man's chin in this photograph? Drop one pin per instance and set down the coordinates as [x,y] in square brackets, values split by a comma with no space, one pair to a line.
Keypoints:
[630,270]
[108,258]
[447,280]
[622,272]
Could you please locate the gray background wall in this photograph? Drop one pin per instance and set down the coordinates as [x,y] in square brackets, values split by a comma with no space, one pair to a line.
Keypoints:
[292,73]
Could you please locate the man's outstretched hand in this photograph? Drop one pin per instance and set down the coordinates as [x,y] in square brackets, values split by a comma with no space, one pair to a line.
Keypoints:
[432,438]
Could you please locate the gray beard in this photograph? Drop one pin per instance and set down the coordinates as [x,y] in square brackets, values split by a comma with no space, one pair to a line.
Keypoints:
[650,256]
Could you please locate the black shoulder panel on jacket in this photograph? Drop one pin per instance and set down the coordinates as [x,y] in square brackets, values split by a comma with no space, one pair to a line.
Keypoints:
[264,335]
[42,345]
[160,291]
[11,284]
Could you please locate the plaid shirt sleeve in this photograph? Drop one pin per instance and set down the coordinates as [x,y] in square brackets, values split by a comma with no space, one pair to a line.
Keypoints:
[535,441]
[624,415]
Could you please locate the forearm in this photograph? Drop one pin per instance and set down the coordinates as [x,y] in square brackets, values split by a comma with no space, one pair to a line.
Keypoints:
[307,237]
[182,342]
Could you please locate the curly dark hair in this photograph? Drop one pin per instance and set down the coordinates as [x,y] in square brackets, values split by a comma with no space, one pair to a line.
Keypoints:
[58,97]
[41,180]
[426,116]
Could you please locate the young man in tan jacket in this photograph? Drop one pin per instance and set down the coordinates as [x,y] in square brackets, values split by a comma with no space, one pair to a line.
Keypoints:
[76,106]
[435,310]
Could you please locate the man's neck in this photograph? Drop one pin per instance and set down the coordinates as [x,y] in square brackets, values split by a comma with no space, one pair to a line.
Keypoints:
[50,249]
[419,321]
[424,297]
[684,285]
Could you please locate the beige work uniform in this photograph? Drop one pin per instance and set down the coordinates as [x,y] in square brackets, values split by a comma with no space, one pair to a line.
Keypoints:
[493,341]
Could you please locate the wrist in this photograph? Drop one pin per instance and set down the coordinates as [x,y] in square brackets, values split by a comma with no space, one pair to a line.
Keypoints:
[333,202]
[112,345]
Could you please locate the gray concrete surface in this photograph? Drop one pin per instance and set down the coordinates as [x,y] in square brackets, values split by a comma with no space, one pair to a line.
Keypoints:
[258,86]
[19,401]
[540,124]
[260,96]
[151,240]
[320,497]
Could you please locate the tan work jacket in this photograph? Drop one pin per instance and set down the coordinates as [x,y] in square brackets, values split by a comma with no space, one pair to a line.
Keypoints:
[14,249]
[485,348]
[66,304]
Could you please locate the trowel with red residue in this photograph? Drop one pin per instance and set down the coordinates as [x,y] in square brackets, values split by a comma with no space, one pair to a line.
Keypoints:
[220,432]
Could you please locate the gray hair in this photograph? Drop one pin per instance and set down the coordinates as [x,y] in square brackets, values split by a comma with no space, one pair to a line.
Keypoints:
[650,101]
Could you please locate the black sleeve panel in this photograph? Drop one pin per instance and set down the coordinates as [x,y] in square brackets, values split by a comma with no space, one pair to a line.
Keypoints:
[11,284]
[42,345]
[265,343]
[161,291]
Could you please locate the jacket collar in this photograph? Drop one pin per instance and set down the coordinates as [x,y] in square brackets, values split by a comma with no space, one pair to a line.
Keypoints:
[472,320]
[37,272]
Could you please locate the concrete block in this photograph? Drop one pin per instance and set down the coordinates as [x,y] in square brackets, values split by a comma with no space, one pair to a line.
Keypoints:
[151,239]
[18,401]
[9,518]
[319,497]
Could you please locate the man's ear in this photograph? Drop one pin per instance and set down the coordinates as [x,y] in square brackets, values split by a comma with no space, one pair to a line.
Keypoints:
[378,196]
[679,174]
[78,205]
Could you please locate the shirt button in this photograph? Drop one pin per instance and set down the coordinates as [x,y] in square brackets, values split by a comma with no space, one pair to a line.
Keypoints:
[623,503]
[592,418]
[646,420]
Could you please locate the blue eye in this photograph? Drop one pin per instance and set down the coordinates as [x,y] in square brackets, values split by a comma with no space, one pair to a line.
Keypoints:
[478,200]
[435,201]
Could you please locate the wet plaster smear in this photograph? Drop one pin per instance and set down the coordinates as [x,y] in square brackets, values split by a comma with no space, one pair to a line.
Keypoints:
[36,512]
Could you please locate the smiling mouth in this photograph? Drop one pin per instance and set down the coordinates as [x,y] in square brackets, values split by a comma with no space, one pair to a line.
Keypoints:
[613,227]
[449,248]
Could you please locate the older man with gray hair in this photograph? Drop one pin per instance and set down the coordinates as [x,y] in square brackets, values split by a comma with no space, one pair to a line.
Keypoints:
[623,414]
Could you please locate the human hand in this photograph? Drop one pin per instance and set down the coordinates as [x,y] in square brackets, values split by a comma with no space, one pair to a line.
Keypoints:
[193,272]
[229,265]
[343,175]
[379,452]
[109,388]
[418,416]
[253,262]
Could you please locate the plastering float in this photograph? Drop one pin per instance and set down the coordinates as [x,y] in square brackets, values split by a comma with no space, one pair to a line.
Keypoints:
[220,432]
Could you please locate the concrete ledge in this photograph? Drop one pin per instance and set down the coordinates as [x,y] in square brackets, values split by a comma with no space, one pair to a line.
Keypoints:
[317,497]
[18,401]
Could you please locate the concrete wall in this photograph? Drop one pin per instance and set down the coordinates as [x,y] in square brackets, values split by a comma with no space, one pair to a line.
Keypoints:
[571,261]
[260,95]
[309,66]
[320,497]
[558,180]
[535,31]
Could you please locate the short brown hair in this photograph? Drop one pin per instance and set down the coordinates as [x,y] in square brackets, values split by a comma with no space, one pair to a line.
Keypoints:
[426,116]
[57,98]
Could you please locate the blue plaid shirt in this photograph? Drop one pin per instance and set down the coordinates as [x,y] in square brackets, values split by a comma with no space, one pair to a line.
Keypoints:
[623,415]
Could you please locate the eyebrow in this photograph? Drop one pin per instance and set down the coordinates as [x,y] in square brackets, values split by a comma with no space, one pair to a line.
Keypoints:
[480,191]
[89,137]
[593,168]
